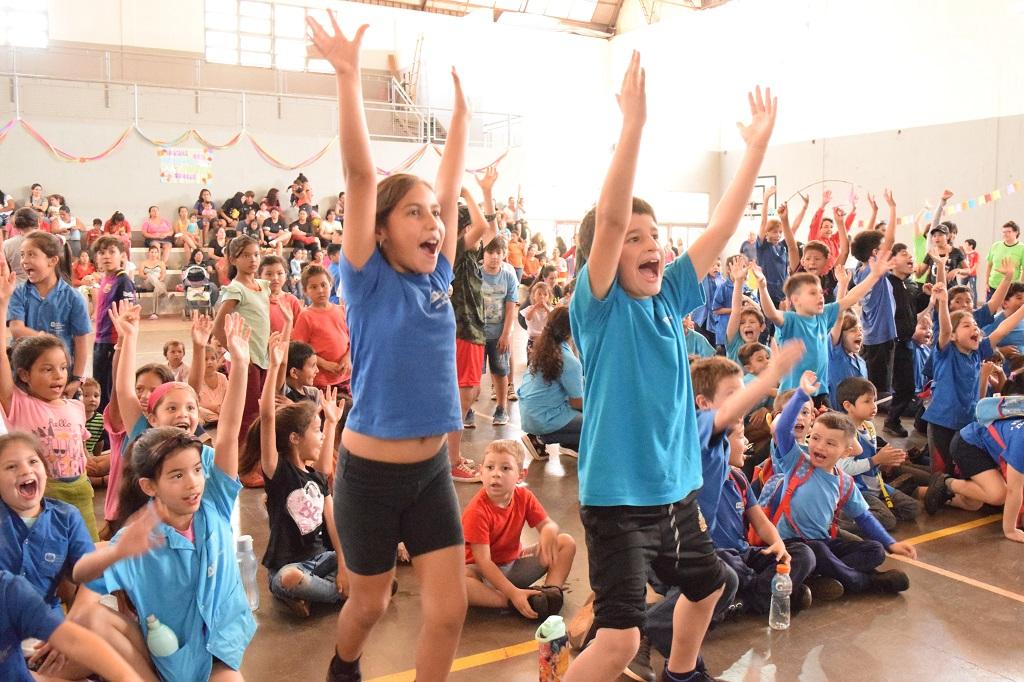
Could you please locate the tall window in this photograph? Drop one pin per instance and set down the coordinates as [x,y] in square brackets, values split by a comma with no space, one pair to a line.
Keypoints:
[24,23]
[259,33]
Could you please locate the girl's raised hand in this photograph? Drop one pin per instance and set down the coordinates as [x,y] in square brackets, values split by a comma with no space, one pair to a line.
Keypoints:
[202,327]
[783,210]
[762,118]
[125,315]
[487,180]
[460,108]
[809,383]
[342,53]
[329,404]
[770,192]
[826,197]
[8,282]
[632,98]
[237,332]
[872,202]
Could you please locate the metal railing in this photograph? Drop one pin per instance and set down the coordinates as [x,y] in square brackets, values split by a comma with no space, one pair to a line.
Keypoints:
[394,117]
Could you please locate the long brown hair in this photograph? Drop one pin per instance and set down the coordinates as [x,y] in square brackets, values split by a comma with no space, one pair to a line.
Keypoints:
[294,418]
[546,356]
[146,460]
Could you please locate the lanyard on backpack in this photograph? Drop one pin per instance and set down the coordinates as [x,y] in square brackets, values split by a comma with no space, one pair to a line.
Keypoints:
[885,493]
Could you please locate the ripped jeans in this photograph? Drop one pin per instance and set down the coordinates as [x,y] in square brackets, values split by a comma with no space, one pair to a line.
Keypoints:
[317,584]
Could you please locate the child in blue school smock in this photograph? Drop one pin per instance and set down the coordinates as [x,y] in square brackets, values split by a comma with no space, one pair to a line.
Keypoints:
[188,578]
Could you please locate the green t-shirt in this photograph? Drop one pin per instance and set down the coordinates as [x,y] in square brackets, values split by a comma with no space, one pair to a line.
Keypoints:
[997,253]
[920,251]
[467,299]
[254,307]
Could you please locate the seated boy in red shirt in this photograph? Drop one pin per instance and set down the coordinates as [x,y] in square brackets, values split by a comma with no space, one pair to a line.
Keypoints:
[499,570]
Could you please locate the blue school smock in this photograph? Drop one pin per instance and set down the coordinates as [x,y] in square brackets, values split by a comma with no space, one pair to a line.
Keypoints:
[62,313]
[46,552]
[194,589]
[22,615]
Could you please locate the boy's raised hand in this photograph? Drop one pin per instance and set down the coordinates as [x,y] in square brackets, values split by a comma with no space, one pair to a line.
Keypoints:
[838,214]
[342,53]
[826,197]
[125,316]
[782,211]
[947,194]
[939,292]
[278,346]
[632,97]
[237,333]
[785,359]
[460,107]
[805,198]
[202,328]
[881,263]
[809,383]
[890,200]
[903,549]
[487,179]
[762,118]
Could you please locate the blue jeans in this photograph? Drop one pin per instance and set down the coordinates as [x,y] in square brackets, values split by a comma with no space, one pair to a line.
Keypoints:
[851,562]
[756,570]
[317,584]
[567,436]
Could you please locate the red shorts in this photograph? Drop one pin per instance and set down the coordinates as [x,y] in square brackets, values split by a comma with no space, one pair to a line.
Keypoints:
[469,362]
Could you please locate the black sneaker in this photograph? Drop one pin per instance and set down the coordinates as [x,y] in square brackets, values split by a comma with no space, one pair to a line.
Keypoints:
[539,603]
[554,596]
[639,668]
[699,674]
[536,447]
[825,589]
[938,494]
[890,582]
[895,429]
[803,600]
[734,610]
[339,671]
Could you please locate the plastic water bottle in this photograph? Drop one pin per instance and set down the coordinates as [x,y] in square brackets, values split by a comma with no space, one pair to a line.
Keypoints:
[247,569]
[552,649]
[160,639]
[782,588]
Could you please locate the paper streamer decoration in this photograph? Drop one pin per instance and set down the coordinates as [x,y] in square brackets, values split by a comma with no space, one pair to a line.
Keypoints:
[404,165]
[185,165]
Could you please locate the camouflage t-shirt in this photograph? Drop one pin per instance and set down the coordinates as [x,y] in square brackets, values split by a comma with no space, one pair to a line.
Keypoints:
[467,300]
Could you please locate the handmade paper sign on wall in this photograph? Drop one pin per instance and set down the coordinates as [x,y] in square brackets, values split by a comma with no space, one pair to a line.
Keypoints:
[186,165]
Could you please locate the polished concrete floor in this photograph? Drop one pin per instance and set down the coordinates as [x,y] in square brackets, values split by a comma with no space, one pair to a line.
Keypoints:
[959,621]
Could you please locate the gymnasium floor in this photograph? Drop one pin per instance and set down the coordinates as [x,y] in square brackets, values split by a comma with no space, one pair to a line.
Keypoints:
[959,621]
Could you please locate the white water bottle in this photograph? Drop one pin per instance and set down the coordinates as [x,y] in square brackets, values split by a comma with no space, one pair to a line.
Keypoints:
[160,639]
[247,569]
[782,588]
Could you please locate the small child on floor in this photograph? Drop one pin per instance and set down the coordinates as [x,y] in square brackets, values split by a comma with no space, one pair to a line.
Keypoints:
[174,353]
[302,368]
[814,491]
[856,397]
[98,464]
[499,570]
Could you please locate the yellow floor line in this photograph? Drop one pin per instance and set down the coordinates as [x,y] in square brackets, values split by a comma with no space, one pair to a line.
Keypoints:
[473,661]
[961,578]
[953,530]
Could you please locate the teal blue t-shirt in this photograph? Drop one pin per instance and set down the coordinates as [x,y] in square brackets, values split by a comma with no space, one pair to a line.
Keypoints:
[639,444]
[813,330]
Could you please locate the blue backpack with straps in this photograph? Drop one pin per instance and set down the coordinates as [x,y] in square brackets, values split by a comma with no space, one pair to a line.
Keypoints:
[777,495]
[993,409]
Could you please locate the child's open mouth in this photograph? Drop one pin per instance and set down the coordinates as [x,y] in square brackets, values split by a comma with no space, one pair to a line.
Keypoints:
[430,246]
[818,458]
[650,269]
[193,500]
[28,490]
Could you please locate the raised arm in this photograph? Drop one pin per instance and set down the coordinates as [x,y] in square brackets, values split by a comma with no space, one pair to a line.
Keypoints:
[1006,268]
[826,199]
[941,298]
[230,422]
[358,239]
[743,401]
[449,174]
[8,282]
[726,217]
[890,227]
[332,416]
[738,274]
[768,194]
[767,304]
[784,423]
[269,455]
[880,264]
[125,316]
[844,241]
[1006,326]
[481,229]
[937,216]
[792,248]
[614,206]
[799,218]
[202,327]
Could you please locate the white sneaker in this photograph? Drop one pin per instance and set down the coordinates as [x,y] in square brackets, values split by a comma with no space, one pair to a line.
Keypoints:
[568,452]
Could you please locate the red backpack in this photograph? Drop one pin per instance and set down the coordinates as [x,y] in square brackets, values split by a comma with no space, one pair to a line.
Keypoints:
[776,500]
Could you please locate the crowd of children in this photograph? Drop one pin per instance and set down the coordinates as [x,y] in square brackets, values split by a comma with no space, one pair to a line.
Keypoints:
[722,412]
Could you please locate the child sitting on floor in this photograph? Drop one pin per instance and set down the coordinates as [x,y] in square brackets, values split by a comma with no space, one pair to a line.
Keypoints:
[300,380]
[97,465]
[856,397]
[810,492]
[174,353]
[499,570]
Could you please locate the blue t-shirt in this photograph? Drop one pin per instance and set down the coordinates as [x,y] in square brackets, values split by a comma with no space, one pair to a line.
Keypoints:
[403,350]
[192,588]
[639,442]
[842,365]
[774,262]
[334,270]
[702,315]
[878,309]
[714,457]
[813,330]
[1014,338]
[48,551]
[22,615]
[497,290]
[955,391]
[922,355]
[729,529]
[814,502]
[1011,431]
[696,344]
[544,405]
[732,348]
[62,313]
[723,299]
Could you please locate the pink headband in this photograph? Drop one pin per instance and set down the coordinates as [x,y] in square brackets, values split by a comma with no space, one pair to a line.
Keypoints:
[162,390]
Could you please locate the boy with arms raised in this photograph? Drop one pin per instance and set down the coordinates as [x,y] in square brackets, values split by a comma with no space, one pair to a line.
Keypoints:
[639,469]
